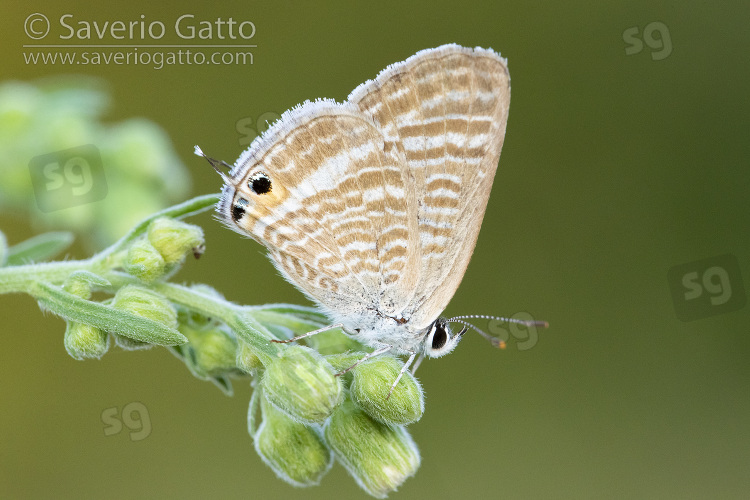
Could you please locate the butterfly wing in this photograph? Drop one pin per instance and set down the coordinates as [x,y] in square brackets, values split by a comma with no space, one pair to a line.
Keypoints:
[326,206]
[374,206]
[445,111]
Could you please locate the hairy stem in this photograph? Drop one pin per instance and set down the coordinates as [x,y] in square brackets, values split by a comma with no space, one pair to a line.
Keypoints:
[15,279]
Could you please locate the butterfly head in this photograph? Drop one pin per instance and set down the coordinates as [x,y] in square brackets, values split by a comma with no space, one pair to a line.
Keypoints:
[248,193]
[440,339]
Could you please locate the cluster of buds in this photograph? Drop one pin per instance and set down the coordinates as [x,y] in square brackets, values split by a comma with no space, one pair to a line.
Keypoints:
[312,405]
[354,417]
[149,258]
[167,244]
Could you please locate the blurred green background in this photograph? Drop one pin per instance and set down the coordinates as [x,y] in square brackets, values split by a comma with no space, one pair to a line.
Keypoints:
[616,168]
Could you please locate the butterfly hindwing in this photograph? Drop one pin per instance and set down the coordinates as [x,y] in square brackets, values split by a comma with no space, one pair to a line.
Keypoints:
[446,111]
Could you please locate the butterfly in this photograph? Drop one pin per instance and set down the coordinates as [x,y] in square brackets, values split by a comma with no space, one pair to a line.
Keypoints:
[372,207]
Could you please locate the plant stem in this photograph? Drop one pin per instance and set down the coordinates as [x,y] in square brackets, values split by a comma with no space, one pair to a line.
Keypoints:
[247,328]
[22,278]
[247,322]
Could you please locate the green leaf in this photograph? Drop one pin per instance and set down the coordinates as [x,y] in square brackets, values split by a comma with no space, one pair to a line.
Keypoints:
[39,248]
[104,317]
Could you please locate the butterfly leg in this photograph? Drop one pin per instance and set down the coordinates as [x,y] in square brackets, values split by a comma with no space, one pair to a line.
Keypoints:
[417,363]
[367,356]
[401,373]
[309,334]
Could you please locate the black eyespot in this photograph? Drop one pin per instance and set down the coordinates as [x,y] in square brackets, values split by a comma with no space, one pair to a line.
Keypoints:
[440,337]
[260,183]
[238,210]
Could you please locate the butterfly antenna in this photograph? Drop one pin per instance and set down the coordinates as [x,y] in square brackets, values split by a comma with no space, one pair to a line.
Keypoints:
[215,164]
[493,340]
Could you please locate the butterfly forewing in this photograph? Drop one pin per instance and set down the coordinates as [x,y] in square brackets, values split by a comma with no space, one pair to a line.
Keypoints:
[325,231]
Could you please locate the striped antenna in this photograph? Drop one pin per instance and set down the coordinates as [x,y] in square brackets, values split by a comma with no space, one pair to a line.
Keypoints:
[493,340]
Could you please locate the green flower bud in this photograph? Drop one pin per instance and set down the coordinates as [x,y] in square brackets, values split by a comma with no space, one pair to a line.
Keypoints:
[294,451]
[379,457]
[246,360]
[79,283]
[214,351]
[85,341]
[331,342]
[78,287]
[372,383]
[302,384]
[174,239]
[147,303]
[144,262]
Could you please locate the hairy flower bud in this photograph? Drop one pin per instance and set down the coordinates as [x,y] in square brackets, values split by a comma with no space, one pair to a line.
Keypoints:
[174,239]
[246,360]
[85,341]
[303,384]
[147,303]
[294,451]
[372,384]
[79,283]
[379,457]
[331,342]
[214,351]
[144,262]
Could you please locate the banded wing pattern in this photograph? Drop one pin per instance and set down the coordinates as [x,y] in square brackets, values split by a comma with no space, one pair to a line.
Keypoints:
[322,217]
[373,207]
[445,110]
